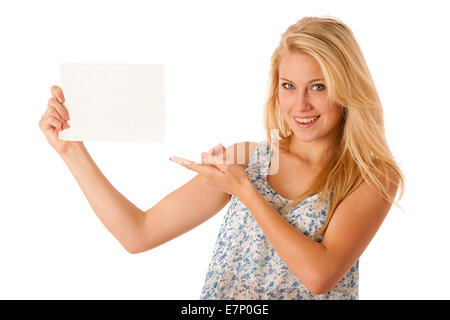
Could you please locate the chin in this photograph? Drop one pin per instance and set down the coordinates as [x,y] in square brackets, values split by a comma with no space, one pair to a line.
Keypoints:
[305,137]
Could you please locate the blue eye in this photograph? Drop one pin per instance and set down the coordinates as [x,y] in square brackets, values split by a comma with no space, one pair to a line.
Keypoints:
[286,83]
[318,85]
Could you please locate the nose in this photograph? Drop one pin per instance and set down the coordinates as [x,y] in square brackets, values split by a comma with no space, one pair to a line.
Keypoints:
[302,103]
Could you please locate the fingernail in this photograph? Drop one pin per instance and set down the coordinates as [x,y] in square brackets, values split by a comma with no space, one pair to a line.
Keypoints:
[175,159]
[59,99]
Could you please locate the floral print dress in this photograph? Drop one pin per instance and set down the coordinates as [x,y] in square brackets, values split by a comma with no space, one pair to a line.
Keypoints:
[244,264]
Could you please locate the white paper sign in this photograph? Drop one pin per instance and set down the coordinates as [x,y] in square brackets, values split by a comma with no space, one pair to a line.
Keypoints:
[113,102]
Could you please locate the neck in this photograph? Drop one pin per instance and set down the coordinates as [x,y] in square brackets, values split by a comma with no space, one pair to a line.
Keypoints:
[314,153]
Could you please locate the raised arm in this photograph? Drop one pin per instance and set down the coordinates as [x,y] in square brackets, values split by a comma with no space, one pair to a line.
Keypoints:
[119,215]
[137,231]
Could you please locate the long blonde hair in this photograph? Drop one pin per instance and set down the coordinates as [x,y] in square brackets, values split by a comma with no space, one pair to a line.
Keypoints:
[360,151]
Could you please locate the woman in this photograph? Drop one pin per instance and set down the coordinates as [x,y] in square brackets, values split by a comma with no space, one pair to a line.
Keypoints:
[293,232]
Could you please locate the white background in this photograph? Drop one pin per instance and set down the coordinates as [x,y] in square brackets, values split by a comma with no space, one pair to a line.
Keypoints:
[216,57]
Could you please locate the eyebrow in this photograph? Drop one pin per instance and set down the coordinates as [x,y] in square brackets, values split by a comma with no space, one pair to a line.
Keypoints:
[308,81]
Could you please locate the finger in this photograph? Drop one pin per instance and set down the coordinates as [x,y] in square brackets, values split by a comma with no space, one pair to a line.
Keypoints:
[219,154]
[216,149]
[222,160]
[204,157]
[187,163]
[57,93]
[51,121]
[52,111]
[209,157]
[216,155]
[183,161]
[222,152]
[59,108]
[204,169]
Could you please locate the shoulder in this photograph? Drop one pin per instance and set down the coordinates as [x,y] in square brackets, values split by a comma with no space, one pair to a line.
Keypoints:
[354,223]
[369,194]
[242,152]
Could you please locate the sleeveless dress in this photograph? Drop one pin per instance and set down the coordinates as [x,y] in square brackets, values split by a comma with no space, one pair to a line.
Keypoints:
[244,264]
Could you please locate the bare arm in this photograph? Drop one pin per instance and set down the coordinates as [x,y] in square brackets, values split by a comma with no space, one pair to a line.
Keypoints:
[188,206]
[121,217]
[138,231]
[180,211]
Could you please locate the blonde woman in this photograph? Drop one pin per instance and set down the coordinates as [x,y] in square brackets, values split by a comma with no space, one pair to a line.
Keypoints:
[304,208]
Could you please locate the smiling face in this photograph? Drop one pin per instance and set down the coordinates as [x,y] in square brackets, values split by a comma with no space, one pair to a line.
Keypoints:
[303,94]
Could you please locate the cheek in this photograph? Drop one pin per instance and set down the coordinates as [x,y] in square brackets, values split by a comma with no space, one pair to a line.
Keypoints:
[282,98]
[284,108]
[286,102]
[334,115]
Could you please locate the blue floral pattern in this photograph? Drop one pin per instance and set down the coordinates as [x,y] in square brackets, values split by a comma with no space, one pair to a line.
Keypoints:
[244,264]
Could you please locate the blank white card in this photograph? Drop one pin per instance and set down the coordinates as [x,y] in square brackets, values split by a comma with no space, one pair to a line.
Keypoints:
[113,102]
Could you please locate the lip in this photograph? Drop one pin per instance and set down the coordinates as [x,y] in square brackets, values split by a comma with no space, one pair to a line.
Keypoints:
[305,126]
[307,116]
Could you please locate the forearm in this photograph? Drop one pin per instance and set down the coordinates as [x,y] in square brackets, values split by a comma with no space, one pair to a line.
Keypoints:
[120,216]
[301,254]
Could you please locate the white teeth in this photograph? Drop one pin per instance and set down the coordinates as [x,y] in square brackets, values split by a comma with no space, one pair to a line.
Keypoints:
[306,120]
